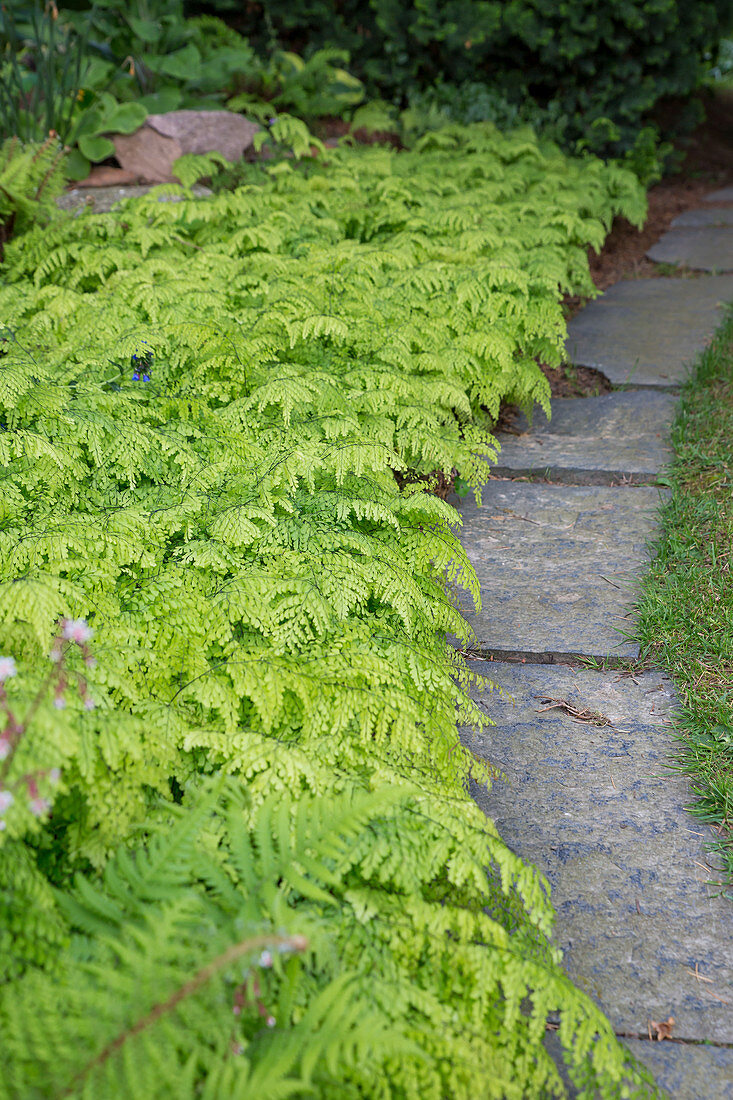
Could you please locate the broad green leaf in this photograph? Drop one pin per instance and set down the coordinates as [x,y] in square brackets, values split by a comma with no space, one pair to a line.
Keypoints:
[146,29]
[77,166]
[96,147]
[126,118]
[88,122]
[184,65]
[162,101]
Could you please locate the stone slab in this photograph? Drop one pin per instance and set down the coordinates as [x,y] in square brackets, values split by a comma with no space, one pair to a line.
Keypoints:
[648,331]
[102,199]
[593,440]
[597,809]
[697,219]
[704,248]
[557,566]
[688,1072]
[725,194]
[685,1071]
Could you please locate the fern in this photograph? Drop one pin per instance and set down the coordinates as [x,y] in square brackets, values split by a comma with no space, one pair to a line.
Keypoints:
[184,979]
[31,177]
[237,388]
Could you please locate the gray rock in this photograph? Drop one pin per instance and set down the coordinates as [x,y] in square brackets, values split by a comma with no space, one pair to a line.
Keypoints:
[647,331]
[685,1071]
[697,219]
[705,249]
[150,151]
[557,566]
[688,1072]
[593,440]
[725,194]
[598,810]
[102,199]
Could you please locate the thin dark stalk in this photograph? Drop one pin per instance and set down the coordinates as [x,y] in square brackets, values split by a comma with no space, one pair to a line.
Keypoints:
[200,978]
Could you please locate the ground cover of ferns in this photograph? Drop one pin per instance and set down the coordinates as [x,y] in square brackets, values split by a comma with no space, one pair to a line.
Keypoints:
[238,855]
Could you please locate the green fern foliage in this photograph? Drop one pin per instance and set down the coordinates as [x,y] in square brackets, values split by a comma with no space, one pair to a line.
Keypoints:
[31,177]
[214,416]
[307,953]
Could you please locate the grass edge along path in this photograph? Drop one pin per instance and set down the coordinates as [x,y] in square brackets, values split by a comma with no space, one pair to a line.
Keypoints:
[685,615]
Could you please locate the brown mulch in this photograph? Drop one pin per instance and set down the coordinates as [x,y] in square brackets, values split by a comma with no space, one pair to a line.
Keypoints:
[707,166]
[575,381]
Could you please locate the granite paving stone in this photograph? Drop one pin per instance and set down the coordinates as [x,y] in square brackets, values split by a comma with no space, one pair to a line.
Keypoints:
[719,215]
[686,1071]
[557,565]
[593,440]
[103,199]
[725,194]
[597,809]
[647,331]
[707,248]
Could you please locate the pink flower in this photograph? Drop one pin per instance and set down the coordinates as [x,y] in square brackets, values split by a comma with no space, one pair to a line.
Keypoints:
[39,806]
[55,655]
[6,801]
[76,630]
[89,704]
[7,668]
[54,776]
[5,747]
[265,959]
[270,1021]
[59,702]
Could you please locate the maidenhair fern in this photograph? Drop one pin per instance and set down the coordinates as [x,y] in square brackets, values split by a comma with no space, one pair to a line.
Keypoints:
[31,178]
[214,415]
[183,978]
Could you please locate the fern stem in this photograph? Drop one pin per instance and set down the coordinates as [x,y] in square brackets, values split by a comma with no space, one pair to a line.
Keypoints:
[200,978]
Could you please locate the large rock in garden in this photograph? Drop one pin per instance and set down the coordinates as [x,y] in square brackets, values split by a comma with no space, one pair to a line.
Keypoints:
[149,153]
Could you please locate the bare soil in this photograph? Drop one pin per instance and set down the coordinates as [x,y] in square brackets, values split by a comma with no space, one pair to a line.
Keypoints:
[707,166]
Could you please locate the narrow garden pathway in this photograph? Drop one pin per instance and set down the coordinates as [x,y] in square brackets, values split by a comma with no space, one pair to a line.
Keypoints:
[588,795]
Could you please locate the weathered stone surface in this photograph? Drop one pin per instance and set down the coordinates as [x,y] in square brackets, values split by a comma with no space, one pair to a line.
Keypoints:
[105,175]
[647,331]
[102,199]
[725,194]
[147,154]
[686,1071]
[601,814]
[150,151]
[593,440]
[704,248]
[696,219]
[557,565]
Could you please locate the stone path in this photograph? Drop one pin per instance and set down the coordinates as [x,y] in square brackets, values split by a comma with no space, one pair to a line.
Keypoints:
[645,332]
[587,793]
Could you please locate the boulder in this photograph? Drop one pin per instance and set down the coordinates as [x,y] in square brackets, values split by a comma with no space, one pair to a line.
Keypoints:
[149,152]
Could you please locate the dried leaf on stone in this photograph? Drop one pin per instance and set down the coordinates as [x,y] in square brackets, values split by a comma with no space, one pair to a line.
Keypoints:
[663,1028]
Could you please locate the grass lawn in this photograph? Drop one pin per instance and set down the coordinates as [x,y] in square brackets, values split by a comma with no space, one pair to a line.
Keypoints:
[686,612]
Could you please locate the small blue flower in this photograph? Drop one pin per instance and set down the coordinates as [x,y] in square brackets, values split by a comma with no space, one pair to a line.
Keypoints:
[141,364]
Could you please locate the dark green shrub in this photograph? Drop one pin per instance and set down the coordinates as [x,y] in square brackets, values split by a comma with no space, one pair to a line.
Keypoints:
[603,65]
